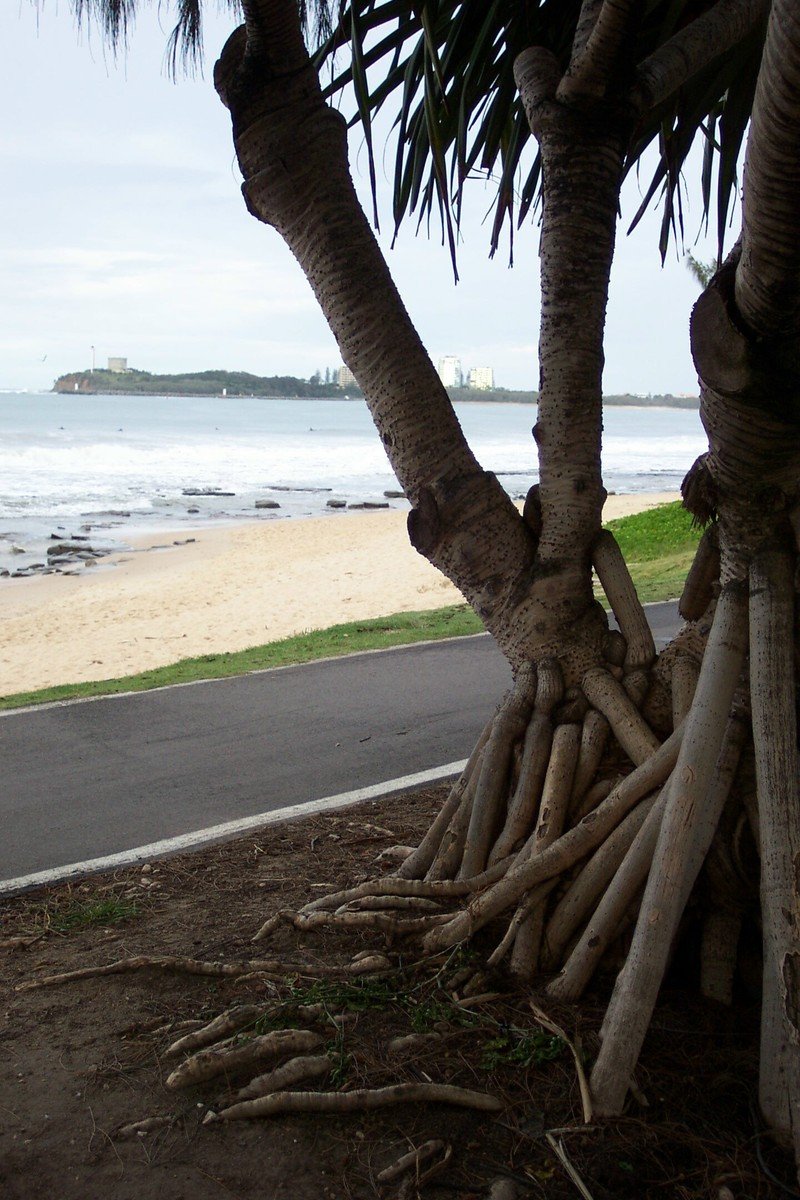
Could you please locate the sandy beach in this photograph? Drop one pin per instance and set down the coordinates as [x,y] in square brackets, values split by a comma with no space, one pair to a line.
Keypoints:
[233,587]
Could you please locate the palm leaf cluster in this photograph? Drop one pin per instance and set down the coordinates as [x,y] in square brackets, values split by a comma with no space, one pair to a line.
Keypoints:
[443,69]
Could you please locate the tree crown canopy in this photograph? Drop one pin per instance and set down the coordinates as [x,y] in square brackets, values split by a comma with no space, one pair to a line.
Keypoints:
[443,69]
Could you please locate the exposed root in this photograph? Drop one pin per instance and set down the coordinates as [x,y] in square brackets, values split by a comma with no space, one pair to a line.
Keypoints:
[296,1070]
[191,966]
[147,1125]
[221,1027]
[208,1064]
[345,918]
[414,1160]
[359,1100]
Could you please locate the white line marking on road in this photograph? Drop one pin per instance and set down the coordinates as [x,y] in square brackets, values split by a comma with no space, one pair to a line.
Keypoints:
[218,833]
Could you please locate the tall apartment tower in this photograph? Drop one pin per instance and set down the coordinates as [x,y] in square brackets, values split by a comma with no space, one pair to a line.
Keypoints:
[481,378]
[449,369]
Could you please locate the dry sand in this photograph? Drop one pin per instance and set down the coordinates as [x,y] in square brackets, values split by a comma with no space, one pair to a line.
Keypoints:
[234,587]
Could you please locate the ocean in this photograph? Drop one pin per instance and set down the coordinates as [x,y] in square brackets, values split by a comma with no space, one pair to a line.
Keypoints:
[112,467]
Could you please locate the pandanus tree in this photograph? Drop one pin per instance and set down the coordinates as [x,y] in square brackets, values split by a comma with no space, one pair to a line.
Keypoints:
[612,784]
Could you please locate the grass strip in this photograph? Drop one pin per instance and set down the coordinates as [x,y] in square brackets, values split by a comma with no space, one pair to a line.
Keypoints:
[658,545]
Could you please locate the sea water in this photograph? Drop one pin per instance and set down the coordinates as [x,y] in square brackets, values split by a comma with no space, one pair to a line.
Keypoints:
[119,466]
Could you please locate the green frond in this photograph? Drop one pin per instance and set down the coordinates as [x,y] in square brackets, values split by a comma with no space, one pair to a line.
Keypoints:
[444,68]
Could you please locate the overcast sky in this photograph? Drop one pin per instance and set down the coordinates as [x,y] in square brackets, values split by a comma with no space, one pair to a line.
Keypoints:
[122,227]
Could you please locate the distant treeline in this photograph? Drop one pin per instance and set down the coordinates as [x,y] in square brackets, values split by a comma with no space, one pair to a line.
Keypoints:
[198,383]
[507,396]
[242,383]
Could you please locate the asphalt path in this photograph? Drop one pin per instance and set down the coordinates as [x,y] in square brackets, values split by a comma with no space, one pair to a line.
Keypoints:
[85,780]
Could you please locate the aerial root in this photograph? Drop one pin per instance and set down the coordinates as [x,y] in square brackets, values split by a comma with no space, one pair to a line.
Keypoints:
[418,863]
[592,882]
[524,874]
[594,738]
[358,1100]
[604,924]
[685,674]
[772,691]
[695,798]
[718,953]
[227,1060]
[492,787]
[698,590]
[552,815]
[523,804]
[448,857]
[616,582]
[629,727]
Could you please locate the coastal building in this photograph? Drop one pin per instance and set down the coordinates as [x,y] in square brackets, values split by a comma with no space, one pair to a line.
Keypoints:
[449,369]
[345,377]
[481,379]
[118,365]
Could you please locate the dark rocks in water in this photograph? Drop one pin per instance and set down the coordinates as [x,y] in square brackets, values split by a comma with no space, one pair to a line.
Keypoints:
[390,495]
[267,504]
[15,549]
[106,512]
[336,504]
[369,504]
[285,487]
[4,574]
[193,510]
[205,492]
[70,548]
[79,537]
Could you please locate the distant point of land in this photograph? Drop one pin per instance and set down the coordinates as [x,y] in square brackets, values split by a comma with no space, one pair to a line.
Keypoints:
[230,384]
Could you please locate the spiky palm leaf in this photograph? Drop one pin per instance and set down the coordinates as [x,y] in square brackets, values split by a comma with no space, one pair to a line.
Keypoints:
[443,68]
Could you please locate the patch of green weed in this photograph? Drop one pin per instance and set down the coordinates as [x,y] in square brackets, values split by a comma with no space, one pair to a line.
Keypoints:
[79,914]
[514,1047]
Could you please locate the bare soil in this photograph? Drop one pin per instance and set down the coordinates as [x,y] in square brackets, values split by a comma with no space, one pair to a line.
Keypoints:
[80,1060]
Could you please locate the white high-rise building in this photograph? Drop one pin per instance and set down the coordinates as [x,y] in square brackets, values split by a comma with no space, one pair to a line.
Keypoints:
[449,369]
[345,377]
[481,378]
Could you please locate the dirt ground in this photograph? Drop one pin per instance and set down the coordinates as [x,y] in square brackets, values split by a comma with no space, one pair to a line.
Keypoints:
[80,1060]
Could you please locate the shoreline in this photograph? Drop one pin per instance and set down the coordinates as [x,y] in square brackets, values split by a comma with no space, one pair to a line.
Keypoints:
[234,586]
